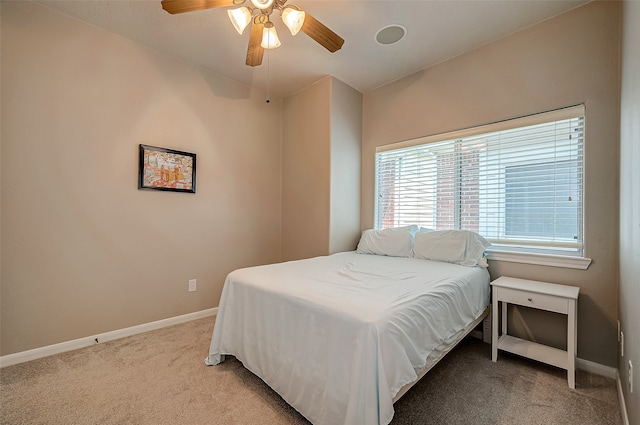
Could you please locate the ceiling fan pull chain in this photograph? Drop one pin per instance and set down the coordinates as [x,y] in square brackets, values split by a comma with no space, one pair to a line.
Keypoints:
[268,75]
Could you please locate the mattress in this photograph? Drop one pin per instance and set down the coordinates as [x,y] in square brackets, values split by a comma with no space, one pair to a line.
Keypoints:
[338,336]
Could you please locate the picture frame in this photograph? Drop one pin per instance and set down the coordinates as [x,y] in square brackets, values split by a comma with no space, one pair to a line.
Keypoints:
[166,169]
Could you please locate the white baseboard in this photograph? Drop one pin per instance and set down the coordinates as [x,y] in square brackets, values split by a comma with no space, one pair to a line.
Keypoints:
[62,347]
[608,372]
[597,368]
[623,405]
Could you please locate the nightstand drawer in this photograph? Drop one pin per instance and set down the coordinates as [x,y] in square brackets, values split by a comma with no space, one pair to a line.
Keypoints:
[534,300]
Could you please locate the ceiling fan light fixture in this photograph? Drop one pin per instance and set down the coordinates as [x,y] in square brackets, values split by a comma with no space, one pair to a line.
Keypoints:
[258,14]
[270,38]
[262,4]
[293,18]
[240,18]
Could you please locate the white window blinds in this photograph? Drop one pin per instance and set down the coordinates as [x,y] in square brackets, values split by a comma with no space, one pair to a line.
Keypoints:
[519,183]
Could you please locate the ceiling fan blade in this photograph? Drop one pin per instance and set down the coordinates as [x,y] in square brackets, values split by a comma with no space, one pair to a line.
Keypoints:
[321,34]
[181,6]
[255,50]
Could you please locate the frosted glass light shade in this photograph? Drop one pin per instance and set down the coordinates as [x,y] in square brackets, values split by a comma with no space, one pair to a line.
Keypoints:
[240,18]
[293,19]
[270,38]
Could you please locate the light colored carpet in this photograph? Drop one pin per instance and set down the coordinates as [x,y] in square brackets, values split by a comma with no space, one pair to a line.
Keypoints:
[159,378]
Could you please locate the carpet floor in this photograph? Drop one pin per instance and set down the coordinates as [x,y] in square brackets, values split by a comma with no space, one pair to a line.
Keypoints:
[159,378]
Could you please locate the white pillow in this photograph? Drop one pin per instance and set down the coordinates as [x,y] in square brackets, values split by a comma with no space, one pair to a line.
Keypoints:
[395,242]
[452,246]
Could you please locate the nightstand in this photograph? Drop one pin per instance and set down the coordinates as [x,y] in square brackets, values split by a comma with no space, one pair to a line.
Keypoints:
[540,295]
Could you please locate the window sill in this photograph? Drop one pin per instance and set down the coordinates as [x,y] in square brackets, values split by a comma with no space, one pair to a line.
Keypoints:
[565,261]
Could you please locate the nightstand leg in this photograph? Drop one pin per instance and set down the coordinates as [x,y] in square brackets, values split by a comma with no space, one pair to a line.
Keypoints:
[504,317]
[494,327]
[572,340]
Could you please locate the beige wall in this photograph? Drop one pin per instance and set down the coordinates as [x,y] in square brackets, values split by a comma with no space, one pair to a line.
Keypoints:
[306,172]
[346,151]
[570,59]
[630,206]
[322,131]
[83,250]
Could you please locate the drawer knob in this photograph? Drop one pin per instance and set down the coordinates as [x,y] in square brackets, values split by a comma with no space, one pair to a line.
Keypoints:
[530,299]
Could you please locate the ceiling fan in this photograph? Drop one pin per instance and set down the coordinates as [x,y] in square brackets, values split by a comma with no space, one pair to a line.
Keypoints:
[263,34]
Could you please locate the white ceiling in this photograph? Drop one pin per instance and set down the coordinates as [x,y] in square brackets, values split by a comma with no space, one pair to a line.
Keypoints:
[436,30]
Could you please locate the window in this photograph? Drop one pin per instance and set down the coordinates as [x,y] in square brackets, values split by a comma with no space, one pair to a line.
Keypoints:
[519,183]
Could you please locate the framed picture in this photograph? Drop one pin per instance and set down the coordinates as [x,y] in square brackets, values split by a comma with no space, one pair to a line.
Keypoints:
[166,169]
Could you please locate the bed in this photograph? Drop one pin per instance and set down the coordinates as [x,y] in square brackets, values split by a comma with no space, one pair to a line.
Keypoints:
[342,337]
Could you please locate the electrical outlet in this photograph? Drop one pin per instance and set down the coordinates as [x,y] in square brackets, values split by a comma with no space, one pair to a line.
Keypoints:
[622,344]
[630,377]
[192,285]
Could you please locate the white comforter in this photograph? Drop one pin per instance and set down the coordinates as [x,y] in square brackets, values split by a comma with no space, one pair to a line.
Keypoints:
[338,336]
